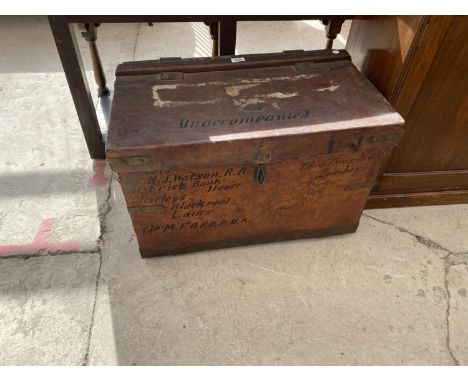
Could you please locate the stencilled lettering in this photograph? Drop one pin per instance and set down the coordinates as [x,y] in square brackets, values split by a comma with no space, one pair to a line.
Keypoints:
[301,114]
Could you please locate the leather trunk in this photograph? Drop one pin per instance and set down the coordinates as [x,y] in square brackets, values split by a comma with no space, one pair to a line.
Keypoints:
[227,151]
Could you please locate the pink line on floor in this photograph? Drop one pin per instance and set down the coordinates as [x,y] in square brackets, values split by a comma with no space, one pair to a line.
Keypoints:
[40,243]
[99,178]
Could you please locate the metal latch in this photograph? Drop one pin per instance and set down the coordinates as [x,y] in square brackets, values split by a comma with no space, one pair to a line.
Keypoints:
[261,158]
[260,174]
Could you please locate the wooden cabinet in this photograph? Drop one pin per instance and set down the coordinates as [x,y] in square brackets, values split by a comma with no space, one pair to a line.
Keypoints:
[420,65]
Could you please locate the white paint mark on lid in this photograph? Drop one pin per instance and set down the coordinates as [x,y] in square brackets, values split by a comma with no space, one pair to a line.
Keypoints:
[237,59]
[234,90]
[330,88]
[335,51]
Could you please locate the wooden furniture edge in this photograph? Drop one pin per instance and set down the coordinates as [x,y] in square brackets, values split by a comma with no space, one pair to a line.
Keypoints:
[416,199]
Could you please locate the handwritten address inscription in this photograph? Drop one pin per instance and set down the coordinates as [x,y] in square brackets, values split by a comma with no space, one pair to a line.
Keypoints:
[214,203]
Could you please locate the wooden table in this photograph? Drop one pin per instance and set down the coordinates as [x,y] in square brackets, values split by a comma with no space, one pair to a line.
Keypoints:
[417,62]
[222,30]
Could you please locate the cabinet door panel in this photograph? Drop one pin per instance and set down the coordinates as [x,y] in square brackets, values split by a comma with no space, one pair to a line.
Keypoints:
[436,136]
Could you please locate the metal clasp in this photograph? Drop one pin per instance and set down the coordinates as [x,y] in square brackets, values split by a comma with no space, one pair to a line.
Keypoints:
[260,158]
[260,174]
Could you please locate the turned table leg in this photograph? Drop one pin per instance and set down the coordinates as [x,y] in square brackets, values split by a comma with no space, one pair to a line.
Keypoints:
[332,28]
[90,35]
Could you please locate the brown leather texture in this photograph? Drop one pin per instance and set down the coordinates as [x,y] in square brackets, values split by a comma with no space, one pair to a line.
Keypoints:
[245,155]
